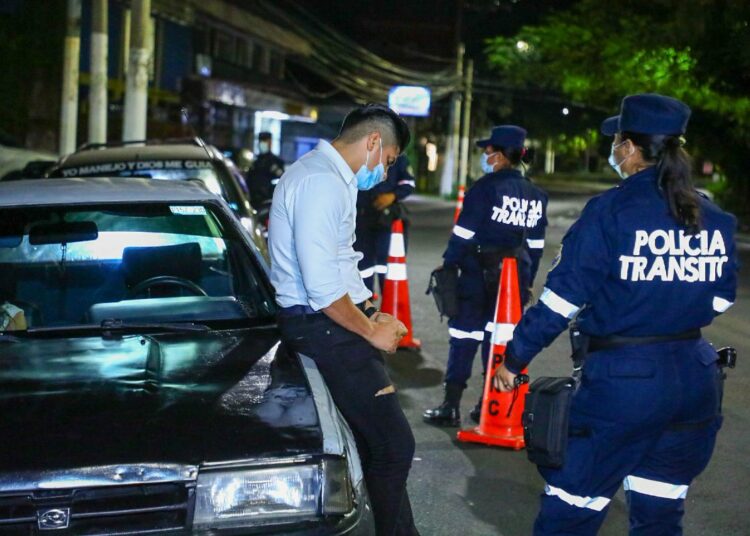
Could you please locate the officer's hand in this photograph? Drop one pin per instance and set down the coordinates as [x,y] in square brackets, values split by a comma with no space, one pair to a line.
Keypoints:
[503,380]
[382,317]
[384,200]
[386,334]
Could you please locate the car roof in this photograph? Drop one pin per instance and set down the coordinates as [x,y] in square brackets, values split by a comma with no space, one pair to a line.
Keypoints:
[129,153]
[98,190]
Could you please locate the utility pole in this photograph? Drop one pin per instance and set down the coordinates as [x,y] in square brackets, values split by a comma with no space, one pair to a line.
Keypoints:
[463,167]
[136,85]
[98,85]
[69,102]
[450,167]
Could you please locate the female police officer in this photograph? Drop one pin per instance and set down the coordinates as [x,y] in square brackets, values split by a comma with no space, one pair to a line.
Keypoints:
[645,267]
[504,214]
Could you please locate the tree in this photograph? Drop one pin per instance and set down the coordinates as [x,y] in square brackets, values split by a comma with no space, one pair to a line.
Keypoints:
[597,52]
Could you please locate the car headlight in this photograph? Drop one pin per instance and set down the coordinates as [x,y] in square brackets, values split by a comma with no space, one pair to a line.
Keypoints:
[263,496]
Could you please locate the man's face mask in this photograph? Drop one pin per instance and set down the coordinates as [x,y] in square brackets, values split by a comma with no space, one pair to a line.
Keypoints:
[264,147]
[617,165]
[369,178]
[486,166]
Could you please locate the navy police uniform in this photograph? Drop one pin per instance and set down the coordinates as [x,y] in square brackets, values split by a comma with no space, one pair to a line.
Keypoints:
[647,413]
[504,215]
[374,226]
[263,176]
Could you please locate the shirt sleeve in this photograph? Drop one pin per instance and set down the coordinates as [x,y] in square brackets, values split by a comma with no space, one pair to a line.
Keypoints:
[580,269]
[726,288]
[405,183]
[535,241]
[318,209]
[466,227]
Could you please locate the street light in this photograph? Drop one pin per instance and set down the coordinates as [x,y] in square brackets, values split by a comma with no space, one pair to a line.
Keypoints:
[565,111]
[522,46]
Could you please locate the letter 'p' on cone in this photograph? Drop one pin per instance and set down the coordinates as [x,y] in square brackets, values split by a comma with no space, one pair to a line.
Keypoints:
[396,286]
[500,421]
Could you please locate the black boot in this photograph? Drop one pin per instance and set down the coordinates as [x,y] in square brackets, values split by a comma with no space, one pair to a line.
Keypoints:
[476,413]
[447,413]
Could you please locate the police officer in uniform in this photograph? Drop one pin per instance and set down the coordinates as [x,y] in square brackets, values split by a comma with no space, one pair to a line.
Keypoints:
[265,172]
[647,265]
[376,210]
[504,215]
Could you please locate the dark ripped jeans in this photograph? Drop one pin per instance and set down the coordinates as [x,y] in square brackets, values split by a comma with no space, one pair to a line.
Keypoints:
[354,372]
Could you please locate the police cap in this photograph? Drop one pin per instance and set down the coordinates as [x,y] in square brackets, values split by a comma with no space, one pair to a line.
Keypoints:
[649,113]
[506,136]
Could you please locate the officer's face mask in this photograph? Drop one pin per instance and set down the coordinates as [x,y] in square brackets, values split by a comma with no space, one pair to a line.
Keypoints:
[369,178]
[486,166]
[264,147]
[617,165]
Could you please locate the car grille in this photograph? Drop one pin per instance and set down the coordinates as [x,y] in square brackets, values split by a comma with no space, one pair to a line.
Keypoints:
[135,509]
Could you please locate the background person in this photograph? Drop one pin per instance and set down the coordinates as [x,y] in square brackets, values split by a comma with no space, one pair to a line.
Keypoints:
[504,214]
[645,267]
[326,313]
[376,210]
[264,173]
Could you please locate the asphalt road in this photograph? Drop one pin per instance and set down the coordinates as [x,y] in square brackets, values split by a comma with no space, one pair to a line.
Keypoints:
[459,488]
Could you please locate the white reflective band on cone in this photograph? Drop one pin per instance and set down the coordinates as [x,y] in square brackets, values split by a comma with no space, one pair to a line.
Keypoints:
[721,305]
[460,334]
[535,244]
[559,305]
[397,248]
[592,503]
[381,269]
[462,232]
[654,488]
[396,271]
[367,272]
[502,333]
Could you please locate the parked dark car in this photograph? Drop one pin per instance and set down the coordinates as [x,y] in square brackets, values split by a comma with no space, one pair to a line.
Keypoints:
[143,385]
[181,159]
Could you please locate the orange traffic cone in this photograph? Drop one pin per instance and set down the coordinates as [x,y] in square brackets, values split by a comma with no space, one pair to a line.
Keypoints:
[396,287]
[459,203]
[500,421]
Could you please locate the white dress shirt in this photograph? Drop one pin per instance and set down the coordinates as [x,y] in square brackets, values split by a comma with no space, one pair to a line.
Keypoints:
[311,232]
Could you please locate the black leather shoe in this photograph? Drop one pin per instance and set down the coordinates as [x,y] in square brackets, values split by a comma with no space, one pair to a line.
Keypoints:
[476,413]
[444,415]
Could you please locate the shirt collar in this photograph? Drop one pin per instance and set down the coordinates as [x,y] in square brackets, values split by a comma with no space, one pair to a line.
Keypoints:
[327,150]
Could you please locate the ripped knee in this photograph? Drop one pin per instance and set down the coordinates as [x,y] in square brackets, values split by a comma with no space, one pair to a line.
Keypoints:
[386,390]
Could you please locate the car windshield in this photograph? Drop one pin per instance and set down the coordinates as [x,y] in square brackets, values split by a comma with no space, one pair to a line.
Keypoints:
[211,173]
[157,262]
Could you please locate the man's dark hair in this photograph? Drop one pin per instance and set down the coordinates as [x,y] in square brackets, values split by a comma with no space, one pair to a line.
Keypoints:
[265,135]
[375,117]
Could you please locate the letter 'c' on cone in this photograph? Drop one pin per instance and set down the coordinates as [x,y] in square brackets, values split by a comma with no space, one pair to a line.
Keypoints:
[500,422]
[396,286]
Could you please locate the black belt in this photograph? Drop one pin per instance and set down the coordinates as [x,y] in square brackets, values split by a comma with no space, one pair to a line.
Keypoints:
[306,310]
[614,341]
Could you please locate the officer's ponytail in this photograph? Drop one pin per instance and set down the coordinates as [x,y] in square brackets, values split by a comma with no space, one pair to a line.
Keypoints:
[675,180]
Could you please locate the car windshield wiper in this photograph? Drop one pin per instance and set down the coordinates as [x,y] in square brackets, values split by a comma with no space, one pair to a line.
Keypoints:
[114,326]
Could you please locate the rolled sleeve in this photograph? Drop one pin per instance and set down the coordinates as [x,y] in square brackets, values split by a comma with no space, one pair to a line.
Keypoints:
[319,209]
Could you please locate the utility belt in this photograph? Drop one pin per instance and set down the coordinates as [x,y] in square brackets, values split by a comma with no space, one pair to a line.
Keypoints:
[491,261]
[547,409]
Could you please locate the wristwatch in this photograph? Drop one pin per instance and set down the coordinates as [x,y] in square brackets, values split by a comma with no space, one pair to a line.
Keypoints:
[371,310]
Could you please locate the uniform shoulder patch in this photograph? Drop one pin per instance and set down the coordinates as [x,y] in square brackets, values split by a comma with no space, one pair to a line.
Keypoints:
[557,259]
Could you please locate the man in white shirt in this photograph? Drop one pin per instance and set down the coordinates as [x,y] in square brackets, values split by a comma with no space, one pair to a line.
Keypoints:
[325,308]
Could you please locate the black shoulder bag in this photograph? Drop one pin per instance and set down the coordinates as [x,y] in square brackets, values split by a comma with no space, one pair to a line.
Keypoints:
[444,289]
[547,410]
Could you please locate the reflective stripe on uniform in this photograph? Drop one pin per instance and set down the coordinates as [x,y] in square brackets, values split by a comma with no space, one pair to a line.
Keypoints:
[463,232]
[559,305]
[721,305]
[381,269]
[654,488]
[274,182]
[592,503]
[397,249]
[408,182]
[535,244]
[396,271]
[460,334]
[501,333]
[367,272]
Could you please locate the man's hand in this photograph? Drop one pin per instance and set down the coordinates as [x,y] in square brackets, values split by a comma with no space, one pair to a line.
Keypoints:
[503,380]
[386,333]
[384,200]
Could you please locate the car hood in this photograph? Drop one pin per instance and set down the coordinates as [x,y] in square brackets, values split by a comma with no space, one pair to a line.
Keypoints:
[170,398]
